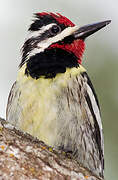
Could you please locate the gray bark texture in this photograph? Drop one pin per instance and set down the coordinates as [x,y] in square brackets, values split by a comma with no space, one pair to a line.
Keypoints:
[23,157]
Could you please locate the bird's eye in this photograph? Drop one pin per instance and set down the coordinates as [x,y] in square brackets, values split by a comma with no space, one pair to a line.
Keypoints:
[55,30]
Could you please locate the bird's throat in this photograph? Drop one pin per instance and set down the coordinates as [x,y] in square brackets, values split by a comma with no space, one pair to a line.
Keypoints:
[76,47]
[50,63]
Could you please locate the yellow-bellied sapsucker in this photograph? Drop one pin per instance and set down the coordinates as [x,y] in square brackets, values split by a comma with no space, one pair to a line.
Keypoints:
[53,98]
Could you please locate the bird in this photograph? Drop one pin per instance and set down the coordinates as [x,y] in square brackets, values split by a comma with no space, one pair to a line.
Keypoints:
[53,98]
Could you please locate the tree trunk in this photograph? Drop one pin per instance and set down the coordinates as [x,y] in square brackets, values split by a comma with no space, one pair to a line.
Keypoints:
[25,157]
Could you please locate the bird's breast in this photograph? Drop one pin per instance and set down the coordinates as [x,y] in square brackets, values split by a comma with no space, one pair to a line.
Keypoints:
[43,104]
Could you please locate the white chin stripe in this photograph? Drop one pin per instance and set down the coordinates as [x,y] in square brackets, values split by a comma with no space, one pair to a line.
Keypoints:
[41,46]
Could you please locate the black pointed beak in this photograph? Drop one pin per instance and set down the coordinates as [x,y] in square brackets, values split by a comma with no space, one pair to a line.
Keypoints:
[89,29]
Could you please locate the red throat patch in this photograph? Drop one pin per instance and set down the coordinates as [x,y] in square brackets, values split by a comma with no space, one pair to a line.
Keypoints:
[77,47]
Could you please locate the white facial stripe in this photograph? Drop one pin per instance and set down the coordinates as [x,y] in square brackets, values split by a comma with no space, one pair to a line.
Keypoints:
[34,34]
[41,46]
[66,32]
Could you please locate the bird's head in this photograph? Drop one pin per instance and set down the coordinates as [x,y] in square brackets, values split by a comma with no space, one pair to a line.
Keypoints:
[54,43]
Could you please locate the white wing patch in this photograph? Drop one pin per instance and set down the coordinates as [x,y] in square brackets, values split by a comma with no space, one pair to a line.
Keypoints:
[94,105]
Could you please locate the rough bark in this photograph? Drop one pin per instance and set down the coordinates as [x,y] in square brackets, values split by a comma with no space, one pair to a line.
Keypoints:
[23,157]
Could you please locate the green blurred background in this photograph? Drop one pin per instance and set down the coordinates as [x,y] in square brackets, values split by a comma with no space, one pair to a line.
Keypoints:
[100,59]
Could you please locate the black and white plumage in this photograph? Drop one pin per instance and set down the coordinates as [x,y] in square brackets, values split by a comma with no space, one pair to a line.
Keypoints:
[53,98]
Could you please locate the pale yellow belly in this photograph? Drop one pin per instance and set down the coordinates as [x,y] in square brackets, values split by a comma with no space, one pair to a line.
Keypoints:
[39,100]
[39,114]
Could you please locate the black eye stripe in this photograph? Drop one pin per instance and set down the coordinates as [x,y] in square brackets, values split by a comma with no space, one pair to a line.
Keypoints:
[48,33]
[45,35]
[52,31]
